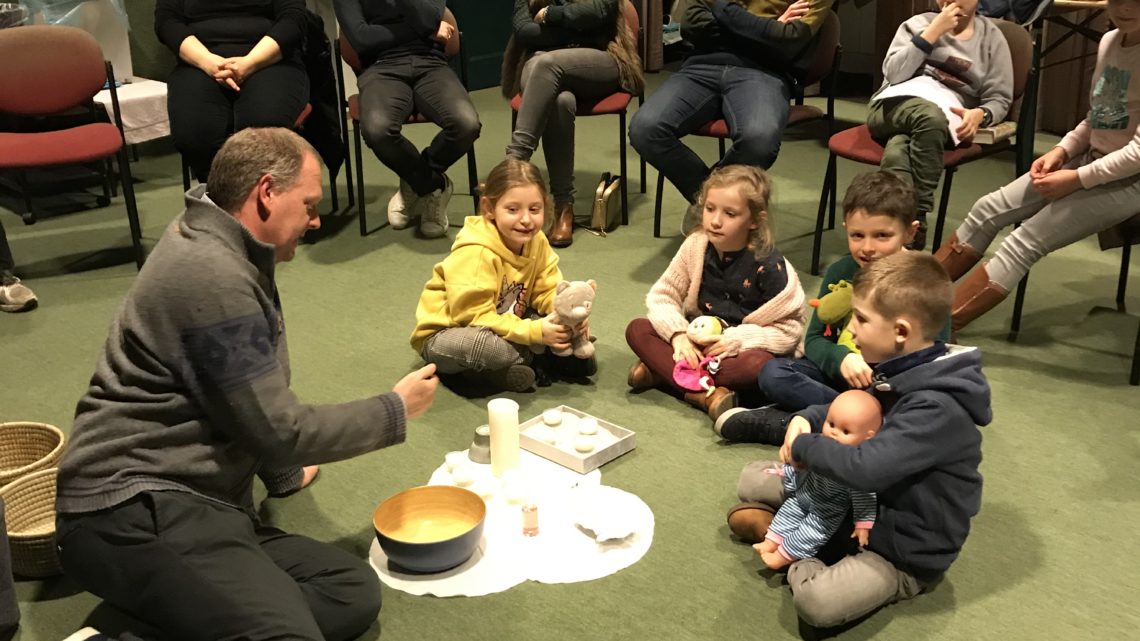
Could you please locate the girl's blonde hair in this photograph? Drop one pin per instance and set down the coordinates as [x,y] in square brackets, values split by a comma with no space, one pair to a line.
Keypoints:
[506,176]
[755,187]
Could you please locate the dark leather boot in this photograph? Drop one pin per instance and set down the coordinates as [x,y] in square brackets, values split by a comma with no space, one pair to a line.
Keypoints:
[957,258]
[974,297]
[562,235]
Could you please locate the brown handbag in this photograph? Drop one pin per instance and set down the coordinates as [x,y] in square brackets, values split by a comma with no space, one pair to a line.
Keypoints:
[606,215]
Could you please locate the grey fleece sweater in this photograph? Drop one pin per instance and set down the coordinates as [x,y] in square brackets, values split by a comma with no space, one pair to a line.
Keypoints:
[978,69]
[192,392]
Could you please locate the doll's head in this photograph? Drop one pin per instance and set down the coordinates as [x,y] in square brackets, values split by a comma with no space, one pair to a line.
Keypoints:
[515,199]
[705,327]
[854,416]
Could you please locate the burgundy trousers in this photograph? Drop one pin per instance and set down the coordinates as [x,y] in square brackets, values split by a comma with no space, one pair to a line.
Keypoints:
[737,373]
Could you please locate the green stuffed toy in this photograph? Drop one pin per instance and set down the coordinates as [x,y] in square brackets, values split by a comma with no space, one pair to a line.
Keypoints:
[834,311]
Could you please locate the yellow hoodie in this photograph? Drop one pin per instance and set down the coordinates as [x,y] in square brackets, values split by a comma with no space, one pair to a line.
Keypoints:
[482,283]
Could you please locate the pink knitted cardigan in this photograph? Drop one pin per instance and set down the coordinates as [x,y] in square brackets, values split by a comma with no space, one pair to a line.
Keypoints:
[776,326]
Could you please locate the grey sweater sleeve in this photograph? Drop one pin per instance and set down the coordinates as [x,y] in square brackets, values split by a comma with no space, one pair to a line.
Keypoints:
[996,92]
[906,56]
[244,391]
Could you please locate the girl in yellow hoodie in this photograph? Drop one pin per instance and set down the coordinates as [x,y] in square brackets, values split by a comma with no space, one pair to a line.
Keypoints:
[486,304]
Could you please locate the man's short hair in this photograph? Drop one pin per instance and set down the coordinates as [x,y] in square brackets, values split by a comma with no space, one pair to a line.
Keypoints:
[250,154]
[910,284]
[882,193]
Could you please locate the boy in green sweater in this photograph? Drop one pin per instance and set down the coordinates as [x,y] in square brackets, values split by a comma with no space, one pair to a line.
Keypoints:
[879,216]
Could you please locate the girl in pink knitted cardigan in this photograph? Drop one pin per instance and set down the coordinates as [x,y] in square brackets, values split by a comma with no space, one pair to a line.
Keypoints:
[728,268]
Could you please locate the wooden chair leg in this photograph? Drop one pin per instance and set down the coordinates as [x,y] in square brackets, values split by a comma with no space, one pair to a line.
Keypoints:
[473,178]
[1134,378]
[185,174]
[828,186]
[1018,302]
[640,103]
[657,205]
[362,214]
[943,205]
[132,206]
[1122,283]
[335,195]
[29,215]
[624,173]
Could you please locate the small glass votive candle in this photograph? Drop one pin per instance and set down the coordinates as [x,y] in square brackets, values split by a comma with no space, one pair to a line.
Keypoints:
[530,519]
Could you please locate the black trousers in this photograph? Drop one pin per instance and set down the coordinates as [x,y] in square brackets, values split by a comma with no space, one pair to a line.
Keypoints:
[392,90]
[7,263]
[199,570]
[204,113]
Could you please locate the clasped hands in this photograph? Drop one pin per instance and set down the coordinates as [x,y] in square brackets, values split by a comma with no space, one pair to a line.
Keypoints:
[692,350]
[1050,179]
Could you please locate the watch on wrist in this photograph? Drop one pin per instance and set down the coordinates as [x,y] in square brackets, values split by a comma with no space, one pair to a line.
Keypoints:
[987,118]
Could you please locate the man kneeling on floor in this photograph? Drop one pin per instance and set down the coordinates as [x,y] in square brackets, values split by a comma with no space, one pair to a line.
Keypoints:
[191,398]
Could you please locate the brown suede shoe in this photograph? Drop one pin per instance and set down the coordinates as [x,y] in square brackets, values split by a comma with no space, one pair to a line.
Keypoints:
[957,258]
[721,400]
[641,378]
[750,521]
[562,235]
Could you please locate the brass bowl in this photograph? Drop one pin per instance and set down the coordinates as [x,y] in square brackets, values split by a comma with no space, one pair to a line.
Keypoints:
[431,528]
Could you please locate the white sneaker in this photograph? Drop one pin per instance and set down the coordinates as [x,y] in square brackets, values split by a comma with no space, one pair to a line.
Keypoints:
[432,210]
[402,201]
[15,296]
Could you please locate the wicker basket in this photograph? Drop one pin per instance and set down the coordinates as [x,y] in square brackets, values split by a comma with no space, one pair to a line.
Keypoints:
[28,447]
[29,505]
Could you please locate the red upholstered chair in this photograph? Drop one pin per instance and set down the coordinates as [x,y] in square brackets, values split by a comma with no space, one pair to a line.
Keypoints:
[615,103]
[48,70]
[858,145]
[827,54]
[453,48]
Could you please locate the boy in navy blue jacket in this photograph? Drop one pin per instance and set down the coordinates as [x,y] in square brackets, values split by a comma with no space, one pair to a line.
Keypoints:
[923,464]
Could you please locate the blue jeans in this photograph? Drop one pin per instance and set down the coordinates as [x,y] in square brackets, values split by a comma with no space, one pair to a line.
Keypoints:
[753,103]
[796,383]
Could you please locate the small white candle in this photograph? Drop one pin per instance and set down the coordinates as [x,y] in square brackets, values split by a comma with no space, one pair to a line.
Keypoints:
[454,460]
[570,423]
[462,475]
[485,489]
[503,415]
[552,416]
[584,443]
[588,425]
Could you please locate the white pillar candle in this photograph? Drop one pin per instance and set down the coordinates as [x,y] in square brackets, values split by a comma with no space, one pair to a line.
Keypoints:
[588,425]
[503,415]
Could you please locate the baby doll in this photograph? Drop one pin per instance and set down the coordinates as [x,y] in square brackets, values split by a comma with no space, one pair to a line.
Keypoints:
[814,505]
[700,378]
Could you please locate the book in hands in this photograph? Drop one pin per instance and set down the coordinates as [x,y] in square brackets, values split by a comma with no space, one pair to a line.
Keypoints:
[996,133]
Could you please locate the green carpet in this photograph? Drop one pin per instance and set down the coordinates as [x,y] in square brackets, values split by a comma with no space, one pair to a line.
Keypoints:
[1048,557]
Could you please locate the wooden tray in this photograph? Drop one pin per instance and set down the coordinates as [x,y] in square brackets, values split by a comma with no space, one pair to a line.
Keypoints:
[611,441]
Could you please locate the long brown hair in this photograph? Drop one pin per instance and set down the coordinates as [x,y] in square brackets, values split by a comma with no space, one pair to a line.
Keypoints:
[756,188]
[506,176]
